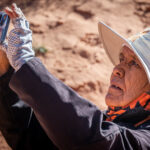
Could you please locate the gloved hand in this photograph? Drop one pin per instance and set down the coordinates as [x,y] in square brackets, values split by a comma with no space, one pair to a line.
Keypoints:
[19,49]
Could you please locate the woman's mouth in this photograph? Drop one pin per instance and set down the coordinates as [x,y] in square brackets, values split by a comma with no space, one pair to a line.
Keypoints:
[115,89]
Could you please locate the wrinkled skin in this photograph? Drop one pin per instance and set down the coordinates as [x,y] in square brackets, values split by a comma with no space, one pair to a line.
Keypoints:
[128,80]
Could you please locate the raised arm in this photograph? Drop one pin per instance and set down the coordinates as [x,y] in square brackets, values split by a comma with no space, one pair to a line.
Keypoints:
[69,120]
[18,123]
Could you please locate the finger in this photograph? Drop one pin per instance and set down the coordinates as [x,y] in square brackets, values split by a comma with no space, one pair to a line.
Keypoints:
[14,5]
[9,12]
[16,10]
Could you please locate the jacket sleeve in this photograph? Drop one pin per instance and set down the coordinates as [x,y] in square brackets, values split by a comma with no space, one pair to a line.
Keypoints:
[70,121]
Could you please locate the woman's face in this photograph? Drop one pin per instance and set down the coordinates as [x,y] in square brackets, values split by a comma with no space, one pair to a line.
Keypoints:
[128,80]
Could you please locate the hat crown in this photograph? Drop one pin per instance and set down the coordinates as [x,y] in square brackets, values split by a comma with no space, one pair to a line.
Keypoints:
[146,33]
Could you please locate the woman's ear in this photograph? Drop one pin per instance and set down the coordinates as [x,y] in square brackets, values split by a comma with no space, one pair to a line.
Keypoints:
[4,63]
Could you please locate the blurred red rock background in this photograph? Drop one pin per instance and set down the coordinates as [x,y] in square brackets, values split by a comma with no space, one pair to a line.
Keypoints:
[67,30]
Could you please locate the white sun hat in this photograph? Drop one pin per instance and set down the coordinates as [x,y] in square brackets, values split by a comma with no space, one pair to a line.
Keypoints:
[139,44]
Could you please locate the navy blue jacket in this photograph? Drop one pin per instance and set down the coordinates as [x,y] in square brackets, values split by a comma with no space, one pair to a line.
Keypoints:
[70,121]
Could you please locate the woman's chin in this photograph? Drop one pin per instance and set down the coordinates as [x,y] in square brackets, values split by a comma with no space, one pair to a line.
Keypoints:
[113,100]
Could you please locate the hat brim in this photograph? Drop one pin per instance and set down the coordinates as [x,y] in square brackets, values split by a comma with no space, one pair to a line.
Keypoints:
[113,43]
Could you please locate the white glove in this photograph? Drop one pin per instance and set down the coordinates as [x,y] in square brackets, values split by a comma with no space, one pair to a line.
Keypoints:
[19,49]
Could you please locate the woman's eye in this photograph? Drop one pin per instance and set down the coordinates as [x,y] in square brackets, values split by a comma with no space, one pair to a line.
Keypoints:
[121,59]
[132,62]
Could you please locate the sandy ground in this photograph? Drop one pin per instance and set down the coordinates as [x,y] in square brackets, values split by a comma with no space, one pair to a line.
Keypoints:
[68,30]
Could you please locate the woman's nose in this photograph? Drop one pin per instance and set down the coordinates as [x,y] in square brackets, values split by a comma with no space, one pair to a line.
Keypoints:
[119,72]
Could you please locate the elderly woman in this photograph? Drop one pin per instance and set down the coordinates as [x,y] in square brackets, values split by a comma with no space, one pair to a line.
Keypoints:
[72,122]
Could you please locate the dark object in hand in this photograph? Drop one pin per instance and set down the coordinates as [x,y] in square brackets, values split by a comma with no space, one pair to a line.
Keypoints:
[4,24]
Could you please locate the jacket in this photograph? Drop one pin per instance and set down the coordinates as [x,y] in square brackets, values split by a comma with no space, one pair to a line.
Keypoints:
[18,123]
[70,121]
